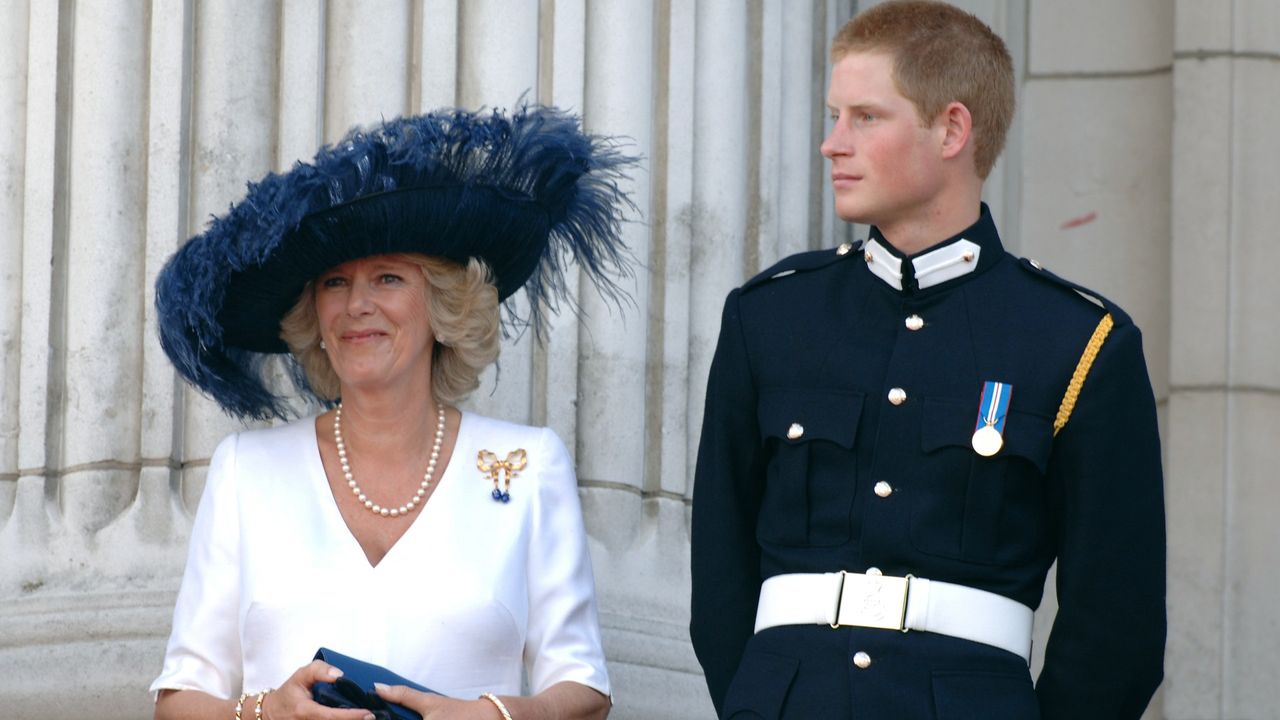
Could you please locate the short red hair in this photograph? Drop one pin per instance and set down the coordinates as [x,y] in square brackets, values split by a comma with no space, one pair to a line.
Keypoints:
[941,54]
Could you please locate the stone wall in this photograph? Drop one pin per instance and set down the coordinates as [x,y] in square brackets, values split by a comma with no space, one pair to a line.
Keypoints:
[1140,164]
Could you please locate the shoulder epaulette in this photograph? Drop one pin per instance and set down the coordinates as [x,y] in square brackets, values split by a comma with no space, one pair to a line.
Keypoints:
[803,262]
[1117,313]
[1113,316]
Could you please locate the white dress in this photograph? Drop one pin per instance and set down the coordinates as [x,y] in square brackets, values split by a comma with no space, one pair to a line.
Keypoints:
[475,591]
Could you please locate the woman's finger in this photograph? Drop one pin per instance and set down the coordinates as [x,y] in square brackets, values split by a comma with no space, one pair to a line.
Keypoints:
[317,671]
[406,696]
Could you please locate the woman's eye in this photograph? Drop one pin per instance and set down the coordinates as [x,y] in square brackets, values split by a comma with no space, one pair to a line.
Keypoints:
[390,278]
[332,282]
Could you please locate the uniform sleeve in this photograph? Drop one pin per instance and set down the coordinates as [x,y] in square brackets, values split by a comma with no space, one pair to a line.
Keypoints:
[728,482]
[563,640]
[204,647]
[1105,654]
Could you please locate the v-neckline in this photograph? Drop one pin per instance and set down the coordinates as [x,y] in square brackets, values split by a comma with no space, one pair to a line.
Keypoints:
[330,500]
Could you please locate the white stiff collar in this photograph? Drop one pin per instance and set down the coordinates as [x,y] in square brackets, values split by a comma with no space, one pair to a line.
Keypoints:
[932,268]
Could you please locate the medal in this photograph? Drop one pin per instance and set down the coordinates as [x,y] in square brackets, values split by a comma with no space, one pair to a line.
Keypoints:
[987,441]
[988,434]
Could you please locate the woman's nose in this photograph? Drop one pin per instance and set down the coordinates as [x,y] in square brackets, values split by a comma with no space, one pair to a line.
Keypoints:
[359,301]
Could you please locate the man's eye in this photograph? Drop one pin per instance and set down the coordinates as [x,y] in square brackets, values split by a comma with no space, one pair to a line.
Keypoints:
[835,115]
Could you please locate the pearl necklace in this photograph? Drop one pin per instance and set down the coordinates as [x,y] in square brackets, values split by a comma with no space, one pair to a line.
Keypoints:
[426,477]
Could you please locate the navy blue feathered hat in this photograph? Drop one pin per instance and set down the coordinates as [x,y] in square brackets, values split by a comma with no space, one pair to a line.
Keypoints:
[526,193]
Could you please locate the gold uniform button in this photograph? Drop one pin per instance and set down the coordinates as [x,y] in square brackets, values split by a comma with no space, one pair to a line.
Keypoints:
[1035,264]
[795,432]
[883,489]
[967,256]
[844,249]
[869,257]
[897,396]
[914,322]
[862,660]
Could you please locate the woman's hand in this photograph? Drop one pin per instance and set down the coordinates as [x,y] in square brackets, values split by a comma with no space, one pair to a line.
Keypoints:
[565,700]
[292,700]
[437,707]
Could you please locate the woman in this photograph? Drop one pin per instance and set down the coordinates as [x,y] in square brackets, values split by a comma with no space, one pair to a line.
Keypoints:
[392,527]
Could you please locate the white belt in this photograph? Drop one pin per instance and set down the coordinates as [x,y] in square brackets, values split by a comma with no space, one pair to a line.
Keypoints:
[895,603]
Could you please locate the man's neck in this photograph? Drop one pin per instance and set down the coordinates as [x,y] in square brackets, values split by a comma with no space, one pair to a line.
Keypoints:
[941,220]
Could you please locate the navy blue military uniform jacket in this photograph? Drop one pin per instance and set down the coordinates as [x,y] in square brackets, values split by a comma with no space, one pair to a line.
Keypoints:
[821,341]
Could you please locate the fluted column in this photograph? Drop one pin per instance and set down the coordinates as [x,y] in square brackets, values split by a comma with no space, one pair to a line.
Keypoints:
[497,65]
[612,344]
[436,54]
[233,122]
[103,268]
[13,95]
[302,80]
[718,209]
[138,123]
[561,83]
[25,535]
[367,63]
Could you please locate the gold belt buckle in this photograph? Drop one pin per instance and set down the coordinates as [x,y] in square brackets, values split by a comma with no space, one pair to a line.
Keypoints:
[873,601]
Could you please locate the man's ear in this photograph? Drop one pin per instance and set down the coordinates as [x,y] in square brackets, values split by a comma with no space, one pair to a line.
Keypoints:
[956,125]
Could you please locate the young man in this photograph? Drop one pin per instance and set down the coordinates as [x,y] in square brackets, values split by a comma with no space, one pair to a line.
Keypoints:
[900,439]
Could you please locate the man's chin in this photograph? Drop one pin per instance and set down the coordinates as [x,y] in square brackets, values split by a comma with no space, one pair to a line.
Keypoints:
[855,214]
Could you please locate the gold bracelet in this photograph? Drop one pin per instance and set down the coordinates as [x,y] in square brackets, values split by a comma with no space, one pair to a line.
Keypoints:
[240,704]
[497,703]
[257,706]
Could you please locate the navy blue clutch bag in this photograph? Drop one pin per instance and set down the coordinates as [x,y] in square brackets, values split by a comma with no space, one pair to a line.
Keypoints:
[355,688]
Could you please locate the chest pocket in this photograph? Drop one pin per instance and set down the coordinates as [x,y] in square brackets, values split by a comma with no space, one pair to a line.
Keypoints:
[812,472]
[980,509]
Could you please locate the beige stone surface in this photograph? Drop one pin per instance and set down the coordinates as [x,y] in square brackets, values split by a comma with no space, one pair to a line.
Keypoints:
[613,345]
[365,79]
[1099,36]
[1096,183]
[1254,330]
[1202,26]
[1251,629]
[1154,187]
[1257,26]
[1197,484]
[1202,210]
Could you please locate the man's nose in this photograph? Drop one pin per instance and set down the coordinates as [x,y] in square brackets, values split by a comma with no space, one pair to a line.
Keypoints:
[836,142]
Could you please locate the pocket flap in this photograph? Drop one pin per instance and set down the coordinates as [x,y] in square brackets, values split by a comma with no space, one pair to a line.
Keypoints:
[950,422]
[799,415]
[761,685]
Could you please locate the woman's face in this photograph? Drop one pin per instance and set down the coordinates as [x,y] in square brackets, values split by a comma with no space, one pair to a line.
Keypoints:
[375,323]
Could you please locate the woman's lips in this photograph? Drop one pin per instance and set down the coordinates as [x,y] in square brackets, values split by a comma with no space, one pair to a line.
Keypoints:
[362,335]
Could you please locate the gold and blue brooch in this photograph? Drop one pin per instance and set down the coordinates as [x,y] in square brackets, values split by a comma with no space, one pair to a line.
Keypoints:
[501,471]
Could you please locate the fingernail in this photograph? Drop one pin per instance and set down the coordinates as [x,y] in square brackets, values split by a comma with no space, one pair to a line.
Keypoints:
[335,672]
[379,686]
[369,716]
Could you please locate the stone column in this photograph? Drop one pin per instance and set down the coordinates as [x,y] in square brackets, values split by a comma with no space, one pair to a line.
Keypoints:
[13,100]
[135,127]
[498,52]
[1095,147]
[1225,401]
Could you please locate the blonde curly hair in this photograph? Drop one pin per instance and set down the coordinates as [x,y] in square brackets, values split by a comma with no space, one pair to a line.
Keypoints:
[463,304]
